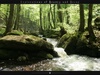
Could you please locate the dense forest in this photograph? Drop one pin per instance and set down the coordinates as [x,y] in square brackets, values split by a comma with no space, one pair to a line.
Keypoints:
[25,29]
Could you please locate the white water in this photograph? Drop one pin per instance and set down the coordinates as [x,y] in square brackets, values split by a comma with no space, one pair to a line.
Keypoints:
[59,50]
[74,62]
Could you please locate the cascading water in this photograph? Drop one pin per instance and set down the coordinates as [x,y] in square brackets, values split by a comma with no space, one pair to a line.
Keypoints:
[59,50]
[74,62]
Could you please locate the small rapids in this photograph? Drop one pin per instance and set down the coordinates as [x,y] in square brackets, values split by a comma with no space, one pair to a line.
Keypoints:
[59,50]
[74,62]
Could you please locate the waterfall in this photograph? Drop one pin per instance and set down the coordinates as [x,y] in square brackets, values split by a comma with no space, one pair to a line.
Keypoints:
[59,50]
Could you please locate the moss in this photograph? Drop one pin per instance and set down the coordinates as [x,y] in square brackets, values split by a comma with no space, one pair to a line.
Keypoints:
[45,55]
[63,41]
[49,56]
[15,32]
[2,30]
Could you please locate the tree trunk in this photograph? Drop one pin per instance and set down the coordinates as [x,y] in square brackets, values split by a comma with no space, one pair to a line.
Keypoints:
[41,29]
[54,20]
[44,21]
[52,16]
[91,33]
[68,18]
[17,18]
[59,13]
[10,20]
[82,20]
[49,27]
[7,13]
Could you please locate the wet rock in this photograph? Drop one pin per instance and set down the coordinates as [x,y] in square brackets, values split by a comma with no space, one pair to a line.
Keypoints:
[81,46]
[25,44]
[64,40]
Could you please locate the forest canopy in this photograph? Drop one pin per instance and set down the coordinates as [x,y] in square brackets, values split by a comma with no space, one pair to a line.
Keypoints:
[45,16]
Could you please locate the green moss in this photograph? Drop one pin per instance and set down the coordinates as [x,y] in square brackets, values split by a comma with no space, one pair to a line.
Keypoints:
[49,56]
[15,32]
[2,30]
[46,55]
[63,41]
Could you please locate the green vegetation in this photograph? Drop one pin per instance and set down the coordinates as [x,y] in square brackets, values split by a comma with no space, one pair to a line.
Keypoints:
[15,32]
[75,26]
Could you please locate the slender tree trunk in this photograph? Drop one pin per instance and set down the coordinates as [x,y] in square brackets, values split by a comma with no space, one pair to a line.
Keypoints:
[17,18]
[49,27]
[68,18]
[52,16]
[7,13]
[59,13]
[44,22]
[82,20]
[41,29]
[10,20]
[54,20]
[91,33]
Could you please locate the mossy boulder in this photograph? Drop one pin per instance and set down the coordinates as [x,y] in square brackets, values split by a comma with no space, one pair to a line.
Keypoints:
[26,44]
[15,32]
[80,45]
[64,40]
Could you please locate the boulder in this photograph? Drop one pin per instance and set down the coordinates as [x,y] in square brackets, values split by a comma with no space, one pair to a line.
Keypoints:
[26,45]
[81,46]
[64,40]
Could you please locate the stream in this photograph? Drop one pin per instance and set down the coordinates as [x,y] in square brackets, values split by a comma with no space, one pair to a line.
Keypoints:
[74,62]
[63,63]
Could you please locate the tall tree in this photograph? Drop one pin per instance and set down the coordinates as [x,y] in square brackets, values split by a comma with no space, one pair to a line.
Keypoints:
[82,20]
[17,17]
[59,13]
[41,29]
[91,33]
[7,13]
[50,15]
[54,20]
[10,20]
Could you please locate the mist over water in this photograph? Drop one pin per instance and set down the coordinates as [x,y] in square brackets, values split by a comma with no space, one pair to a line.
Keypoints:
[74,62]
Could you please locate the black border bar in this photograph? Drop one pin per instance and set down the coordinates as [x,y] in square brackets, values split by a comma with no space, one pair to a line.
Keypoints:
[50,1]
[49,72]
